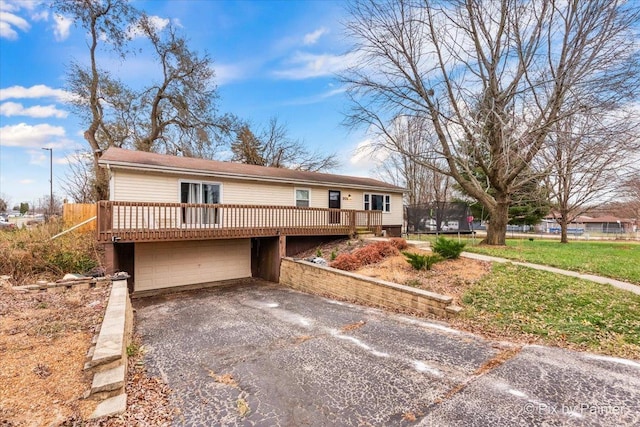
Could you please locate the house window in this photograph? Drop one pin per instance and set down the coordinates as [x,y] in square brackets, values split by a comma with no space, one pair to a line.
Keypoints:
[200,193]
[302,197]
[377,202]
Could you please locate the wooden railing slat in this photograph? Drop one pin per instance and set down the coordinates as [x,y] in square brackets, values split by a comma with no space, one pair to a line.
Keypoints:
[140,221]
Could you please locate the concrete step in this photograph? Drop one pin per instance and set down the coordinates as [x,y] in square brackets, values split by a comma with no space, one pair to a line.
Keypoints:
[111,406]
[109,380]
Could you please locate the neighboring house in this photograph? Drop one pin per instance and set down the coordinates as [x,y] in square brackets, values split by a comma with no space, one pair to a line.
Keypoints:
[583,223]
[177,221]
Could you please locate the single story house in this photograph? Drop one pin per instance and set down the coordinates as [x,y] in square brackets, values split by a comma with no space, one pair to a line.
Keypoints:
[177,221]
[607,224]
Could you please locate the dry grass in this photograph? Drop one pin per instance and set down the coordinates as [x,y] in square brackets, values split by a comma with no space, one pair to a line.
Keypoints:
[29,255]
[44,338]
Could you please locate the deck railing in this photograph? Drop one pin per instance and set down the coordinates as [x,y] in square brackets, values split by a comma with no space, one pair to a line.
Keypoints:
[146,222]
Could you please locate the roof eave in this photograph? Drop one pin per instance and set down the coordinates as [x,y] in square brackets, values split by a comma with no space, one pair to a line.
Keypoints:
[199,172]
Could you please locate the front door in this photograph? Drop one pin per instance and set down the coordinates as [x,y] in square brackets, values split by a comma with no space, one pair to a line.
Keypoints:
[334,203]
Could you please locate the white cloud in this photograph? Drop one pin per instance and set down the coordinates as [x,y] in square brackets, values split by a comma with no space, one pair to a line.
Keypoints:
[37,91]
[37,111]
[308,65]
[226,73]
[26,181]
[28,136]
[9,22]
[312,38]
[366,153]
[42,15]
[316,98]
[61,27]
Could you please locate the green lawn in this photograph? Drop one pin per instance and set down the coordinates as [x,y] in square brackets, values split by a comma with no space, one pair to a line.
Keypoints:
[520,302]
[619,260]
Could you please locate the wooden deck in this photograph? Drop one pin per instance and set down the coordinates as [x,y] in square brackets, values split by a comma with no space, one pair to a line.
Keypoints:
[153,222]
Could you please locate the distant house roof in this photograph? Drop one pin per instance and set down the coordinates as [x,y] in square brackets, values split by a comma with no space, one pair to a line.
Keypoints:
[129,159]
[583,219]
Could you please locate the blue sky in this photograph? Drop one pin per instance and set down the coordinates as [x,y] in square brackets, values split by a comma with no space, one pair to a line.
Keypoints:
[272,58]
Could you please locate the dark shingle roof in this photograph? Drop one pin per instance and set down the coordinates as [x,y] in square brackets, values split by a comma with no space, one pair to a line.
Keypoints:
[118,157]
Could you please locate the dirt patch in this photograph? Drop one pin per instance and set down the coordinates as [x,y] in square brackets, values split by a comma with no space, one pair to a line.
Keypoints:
[44,339]
[147,397]
[450,277]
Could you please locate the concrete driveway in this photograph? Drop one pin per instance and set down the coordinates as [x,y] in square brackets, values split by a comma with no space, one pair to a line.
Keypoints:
[264,355]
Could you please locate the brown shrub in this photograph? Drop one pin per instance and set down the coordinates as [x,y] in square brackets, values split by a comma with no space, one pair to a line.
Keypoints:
[347,262]
[370,254]
[386,249]
[398,243]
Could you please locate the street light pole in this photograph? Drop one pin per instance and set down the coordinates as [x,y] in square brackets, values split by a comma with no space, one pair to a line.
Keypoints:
[50,180]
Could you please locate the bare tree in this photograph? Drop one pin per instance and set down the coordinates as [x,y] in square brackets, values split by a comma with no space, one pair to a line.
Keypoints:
[493,78]
[4,203]
[424,183]
[79,180]
[44,205]
[104,20]
[631,196]
[178,113]
[273,147]
[587,156]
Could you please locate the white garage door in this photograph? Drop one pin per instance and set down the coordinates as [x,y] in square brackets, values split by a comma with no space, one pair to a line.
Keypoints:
[169,264]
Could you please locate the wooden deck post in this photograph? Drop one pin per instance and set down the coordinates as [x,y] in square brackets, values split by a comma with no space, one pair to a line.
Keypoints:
[110,259]
[282,252]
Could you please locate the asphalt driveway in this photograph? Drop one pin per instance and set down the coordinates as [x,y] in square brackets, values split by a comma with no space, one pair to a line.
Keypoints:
[264,355]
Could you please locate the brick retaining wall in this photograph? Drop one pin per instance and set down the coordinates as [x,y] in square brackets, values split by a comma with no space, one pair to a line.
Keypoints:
[316,279]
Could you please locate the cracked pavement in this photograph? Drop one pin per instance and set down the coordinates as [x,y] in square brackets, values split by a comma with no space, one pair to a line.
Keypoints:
[264,355]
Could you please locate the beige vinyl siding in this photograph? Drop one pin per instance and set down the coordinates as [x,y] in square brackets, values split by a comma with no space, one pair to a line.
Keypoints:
[129,186]
[170,264]
[147,187]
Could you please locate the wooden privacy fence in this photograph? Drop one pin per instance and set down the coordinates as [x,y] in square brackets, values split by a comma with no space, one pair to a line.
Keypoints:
[75,213]
[140,221]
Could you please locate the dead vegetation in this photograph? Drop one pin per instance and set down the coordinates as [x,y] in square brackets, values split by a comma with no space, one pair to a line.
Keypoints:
[44,338]
[383,260]
[28,255]
[147,398]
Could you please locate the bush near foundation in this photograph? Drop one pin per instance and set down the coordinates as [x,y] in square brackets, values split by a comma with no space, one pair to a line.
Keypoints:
[399,243]
[447,248]
[346,262]
[370,254]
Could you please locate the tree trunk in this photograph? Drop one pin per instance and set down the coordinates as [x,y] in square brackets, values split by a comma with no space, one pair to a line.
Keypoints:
[497,230]
[101,186]
[563,229]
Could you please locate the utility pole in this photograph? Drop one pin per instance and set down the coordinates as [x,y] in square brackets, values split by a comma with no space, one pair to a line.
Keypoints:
[50,180]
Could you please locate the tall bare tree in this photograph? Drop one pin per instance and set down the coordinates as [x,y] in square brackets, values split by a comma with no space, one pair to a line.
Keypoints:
[406,167]
[587,158]
[178,113]
[272,146]
[492,77]
[105,20]
[631,196]
[79,180]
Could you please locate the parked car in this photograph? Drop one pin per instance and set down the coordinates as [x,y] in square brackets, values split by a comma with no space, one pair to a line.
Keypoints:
[7,225]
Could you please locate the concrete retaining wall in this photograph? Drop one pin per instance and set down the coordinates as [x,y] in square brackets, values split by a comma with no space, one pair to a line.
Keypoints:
[316,279]
[108,358]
